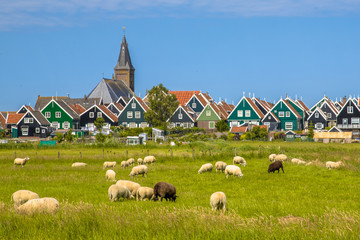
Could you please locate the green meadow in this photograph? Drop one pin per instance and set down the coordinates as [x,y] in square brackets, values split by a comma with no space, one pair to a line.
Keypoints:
[305,202]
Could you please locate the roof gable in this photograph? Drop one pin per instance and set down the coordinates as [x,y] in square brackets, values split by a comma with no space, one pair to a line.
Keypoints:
[183,97]
[251,104]
[349,102]
[208,107]
[318,110]
[68,110]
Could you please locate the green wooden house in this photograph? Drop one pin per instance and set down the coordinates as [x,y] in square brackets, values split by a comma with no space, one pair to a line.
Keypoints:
[245,111]
[289,118]
[132,115]
[210,115]
[300,110]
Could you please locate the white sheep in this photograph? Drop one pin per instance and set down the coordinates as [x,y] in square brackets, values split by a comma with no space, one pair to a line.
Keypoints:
[132,186]
[295,160]
[281,158]
[309,163]
[218,201]
[141,169]
[206,168]
[140,161]
[301,162]
[21,161]
[272,157]
[118,191]
[233,170]
[109,165]
[149,159]
[130,161]
[79,164]
[220,165]
[110,175]
[39,205]
[330,164]
[22,196]
[239,160]
[124,164]
[144,193]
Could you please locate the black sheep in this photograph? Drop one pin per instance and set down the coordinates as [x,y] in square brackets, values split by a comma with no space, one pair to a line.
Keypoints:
[165,190]
[276,166]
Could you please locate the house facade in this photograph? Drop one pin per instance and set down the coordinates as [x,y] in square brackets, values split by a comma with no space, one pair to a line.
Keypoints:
[183,117]
[288,116]
[245,111]
[33,124]
[88,117]
[348,117]
[132,115]
[318,119]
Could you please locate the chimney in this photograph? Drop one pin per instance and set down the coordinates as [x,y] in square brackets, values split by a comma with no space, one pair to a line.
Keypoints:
[68,95]
[344,99]
[113,77]
[84,96]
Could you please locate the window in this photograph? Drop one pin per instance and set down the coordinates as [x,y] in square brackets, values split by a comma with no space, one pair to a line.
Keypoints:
[287,114]
[48,114]
[240,113]
[129,114]
[37,130]
[267,123]
[137,114]
[132,125]
[354,120]
[208,113]
[288,125]
[143,124]
[328,115]
[124,124]
[318,125]
[171,125]
[234,124]
[28,120]
[25,131]
[133,105]
[58,114]
[180,116]
[281,114]
[43,130]
[211,125]
[99,115]
[66,125]
[316,115]
[55,125]
[106,126]
[350,109]
[193,105]
[247,113]
[91,114]
[269,117]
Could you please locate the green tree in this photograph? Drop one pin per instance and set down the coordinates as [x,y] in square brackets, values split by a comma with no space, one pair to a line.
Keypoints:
[68,136]
[162,105]
[222,126]
[311,130]
[255,133]
[99,123]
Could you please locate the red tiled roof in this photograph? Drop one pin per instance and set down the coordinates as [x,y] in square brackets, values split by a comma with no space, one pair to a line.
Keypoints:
[143,104]
[2,121]
[108,112]
[292,109]
[256,109]
[29,108]
[226,106]
[332,106]
[201,99]
[263,126]
[77,108]
[207,97]
[14,118]
[239,129]
[183,96]
[302,104]
[219,111]
[119,106]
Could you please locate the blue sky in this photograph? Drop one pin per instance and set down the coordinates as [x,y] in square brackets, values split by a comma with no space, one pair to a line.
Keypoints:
[270,48]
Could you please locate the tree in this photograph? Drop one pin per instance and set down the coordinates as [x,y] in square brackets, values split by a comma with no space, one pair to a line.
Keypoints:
[162,105]
[68,136]
[311,130]
[99,123]
[255,133]
[222,126]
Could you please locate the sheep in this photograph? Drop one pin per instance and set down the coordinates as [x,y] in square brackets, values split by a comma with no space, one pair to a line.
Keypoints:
[218,201]
[117,191]
[233,170]
[79,164]
[140,161]
[295,160]
[309,163]
[21,161]
[165,190]
[149,159]
[330,164]
[22,196]
[144,193]
[110,175]
[272,157]
[109,165]
[281,158]
[39,205]
[130,161]
[124,164]
[276,166]
[132,186]
[206,168]
[239,160]
[301,162]
[141,169]
[220,165]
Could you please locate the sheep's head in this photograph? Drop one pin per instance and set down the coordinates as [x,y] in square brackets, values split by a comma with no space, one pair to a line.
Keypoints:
[27,158]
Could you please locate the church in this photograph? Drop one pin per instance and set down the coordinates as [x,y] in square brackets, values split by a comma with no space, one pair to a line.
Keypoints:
[122,83]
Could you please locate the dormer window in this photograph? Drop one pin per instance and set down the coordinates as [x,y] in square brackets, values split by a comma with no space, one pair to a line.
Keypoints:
[350,109]
[193,105]
[180,116]
[133,105]
[316,115]
[208,113]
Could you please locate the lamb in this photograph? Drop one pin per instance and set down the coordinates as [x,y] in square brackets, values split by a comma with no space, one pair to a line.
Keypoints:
[21,161]
[272,157]
[109,165]
[130,161]
[110,175]
[276,166]
[331,165]
[149,159]
[124,164]
[141,169]
[239,160]
[117,191]
[132,186]
[220,165]
[218,201]
[165,190]
[144,193]
[79,164]
[281,158]
[233,170]
[39,205]
[206,168]
[140,161]
[22,196]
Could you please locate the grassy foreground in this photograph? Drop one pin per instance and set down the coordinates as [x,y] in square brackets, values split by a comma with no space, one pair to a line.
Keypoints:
[305,202]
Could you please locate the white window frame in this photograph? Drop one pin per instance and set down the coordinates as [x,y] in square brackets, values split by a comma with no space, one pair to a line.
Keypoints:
[208,113]
[91,114]
[210,123]
[287,125]
[57,114]
[129,114]
[269,117]
[319,125]
[267,123]
[355,121]
[25,131]
[43,131]
[247,113]
[66,125]
[137,114]
[132,125]
[180,116]
[317,115]
[240,113]
[37,130]
[55,125]
[287,113]
[48,114]
[99,114]
[133,105]
[350,109]
[281,114]
[193,105]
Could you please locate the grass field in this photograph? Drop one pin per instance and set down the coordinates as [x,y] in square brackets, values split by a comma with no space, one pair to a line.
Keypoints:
[305,202]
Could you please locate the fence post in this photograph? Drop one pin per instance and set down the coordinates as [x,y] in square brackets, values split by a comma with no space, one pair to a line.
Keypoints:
[15,154]
[80,154]
[193,153]
[58,154]
[127,153]
[36,154]
[147,153]
[211,152]
[171,152]
[235,151]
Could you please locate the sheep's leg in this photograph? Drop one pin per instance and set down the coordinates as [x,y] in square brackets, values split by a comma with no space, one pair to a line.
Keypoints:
[282,170]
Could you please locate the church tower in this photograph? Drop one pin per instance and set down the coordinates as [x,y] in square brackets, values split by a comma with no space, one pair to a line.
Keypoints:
[124,70]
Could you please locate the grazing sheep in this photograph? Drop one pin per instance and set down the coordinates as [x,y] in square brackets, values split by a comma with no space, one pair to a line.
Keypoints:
[22,196]
[130,161]
[165,190]
[141,169]
[239,160]
[276,166]
[110,175]
[295,160]
[149,159]
[79,164]
[309,163]
[117,191]
[218,201]
[144,193]
[21,161]
[39,205]
[132,186]
[331,165]
[272,157]
[301,162]
[281,158]
[206,168]
[140,161]
[220,165]
[233,170]
[109,165]
[124,164]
